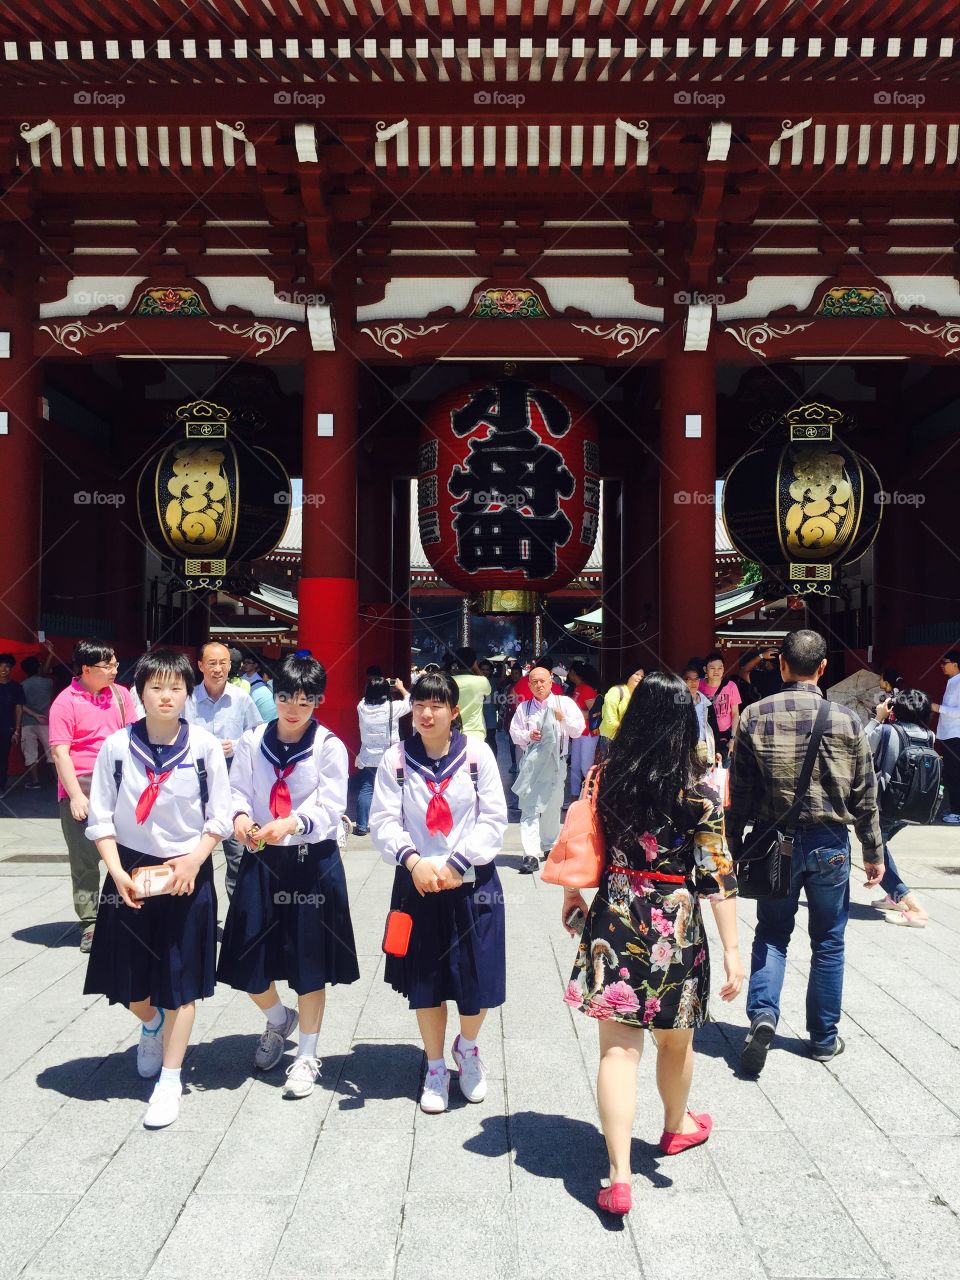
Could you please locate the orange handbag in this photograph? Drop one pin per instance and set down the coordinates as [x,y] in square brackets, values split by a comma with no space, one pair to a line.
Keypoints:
[577,859]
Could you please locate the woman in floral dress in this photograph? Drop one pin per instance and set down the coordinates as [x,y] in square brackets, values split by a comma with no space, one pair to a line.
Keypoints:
[642,960]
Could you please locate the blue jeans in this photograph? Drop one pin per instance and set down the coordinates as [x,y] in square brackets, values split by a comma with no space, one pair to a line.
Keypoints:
[821,867]
[891,884]
[365,796]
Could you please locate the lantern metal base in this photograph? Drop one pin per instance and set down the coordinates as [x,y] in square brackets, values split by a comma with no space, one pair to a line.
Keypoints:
[509,601]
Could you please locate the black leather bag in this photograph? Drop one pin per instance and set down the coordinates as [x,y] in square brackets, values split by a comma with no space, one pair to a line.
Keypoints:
[763,865]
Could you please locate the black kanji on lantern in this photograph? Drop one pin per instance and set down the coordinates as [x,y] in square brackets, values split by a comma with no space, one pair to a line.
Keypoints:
[511,482]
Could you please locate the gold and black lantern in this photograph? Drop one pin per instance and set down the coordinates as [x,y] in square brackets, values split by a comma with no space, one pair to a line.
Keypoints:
[211,500]
[804,508]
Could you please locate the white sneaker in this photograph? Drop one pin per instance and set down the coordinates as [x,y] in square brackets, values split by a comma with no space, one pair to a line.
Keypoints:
[270,1049]
[436,1091]
[164,1106]
[473,1076]
[301,1075]
[952,818]
[150,1049]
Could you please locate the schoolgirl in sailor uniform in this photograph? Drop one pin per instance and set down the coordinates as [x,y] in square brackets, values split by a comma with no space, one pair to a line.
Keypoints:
[439,815]
[159,794]
[289,916]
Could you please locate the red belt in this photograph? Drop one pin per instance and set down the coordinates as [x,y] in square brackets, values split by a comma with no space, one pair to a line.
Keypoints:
[651,875]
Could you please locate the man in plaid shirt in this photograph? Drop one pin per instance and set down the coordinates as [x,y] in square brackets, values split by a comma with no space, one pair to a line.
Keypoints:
[766,762]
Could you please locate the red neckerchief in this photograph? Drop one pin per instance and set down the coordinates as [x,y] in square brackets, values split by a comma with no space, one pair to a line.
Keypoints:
[439,817]
[280,805]
[148,796]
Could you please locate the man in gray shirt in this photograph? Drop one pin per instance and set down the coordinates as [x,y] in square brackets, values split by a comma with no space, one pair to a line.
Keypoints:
[226,711]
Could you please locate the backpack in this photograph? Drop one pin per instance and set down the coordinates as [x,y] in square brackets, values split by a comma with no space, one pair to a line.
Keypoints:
[912,790]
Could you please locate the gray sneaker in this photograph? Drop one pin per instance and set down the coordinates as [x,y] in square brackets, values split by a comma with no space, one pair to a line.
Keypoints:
[826,1052]
[86,940]
[270,1049]
[762,1030]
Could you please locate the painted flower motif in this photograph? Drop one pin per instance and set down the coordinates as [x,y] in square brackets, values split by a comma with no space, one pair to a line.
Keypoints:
[648,842]
[624,973]
[651,1008]
[662,924]
[169,300]
[661,953]
[573,996]
[621,998]
[699,957]
[510,301]
[598,1007]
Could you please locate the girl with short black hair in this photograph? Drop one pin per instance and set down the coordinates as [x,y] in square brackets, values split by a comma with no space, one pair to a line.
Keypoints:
[289,916]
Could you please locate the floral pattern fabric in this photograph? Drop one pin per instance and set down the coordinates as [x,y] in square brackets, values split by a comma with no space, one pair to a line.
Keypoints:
[642,957]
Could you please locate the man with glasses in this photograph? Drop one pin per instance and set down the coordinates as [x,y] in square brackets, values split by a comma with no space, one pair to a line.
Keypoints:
[91,708]
[948,734]
[227,710]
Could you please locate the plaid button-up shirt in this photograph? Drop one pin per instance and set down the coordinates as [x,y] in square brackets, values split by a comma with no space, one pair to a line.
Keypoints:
[768,756]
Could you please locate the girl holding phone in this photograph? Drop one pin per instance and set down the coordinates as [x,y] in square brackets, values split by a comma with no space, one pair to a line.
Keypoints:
[438,816]
[159,798]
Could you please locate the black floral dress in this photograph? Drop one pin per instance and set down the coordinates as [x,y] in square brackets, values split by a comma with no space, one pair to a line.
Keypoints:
[642,958]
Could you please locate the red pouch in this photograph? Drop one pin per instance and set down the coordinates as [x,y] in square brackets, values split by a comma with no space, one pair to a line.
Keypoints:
[396,935]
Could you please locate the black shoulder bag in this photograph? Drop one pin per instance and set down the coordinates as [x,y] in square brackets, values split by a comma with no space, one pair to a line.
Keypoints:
[763,865]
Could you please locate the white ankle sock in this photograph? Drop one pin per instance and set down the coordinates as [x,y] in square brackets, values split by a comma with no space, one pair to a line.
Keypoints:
[465,1045]
[156,1022]
[277,1014]
[308,1044]
[436,1064]
[170,1076]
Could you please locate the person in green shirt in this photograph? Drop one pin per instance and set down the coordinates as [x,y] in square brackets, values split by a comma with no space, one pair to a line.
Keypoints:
[615,702]
[474,689]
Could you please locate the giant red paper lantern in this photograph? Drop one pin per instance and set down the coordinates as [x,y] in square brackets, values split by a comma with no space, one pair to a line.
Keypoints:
[509,487]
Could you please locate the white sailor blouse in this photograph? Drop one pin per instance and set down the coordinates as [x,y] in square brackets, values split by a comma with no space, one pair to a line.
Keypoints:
[307,780]
[401,818]
[156,809]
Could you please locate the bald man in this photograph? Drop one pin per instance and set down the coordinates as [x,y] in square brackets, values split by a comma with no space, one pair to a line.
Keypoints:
[540,819]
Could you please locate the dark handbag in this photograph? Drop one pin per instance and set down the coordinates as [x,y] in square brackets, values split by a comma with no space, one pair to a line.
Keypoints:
[763,865]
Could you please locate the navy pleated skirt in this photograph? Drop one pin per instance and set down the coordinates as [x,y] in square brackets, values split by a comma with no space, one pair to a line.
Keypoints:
[166,951]
[457,945]
[289,919]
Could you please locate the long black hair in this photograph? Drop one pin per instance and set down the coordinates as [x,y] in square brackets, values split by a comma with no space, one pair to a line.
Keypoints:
[652,760]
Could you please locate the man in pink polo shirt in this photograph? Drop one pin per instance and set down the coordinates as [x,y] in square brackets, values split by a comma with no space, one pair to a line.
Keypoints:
[91,708]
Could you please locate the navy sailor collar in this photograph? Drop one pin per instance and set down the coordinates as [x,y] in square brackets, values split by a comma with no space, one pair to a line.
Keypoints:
[444,767]
[284,754]
[142,749]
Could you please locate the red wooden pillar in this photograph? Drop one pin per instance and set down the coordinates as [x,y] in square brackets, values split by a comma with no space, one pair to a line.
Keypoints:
[328,596]
[688,471]
[374,566]
[402,618]
[611,642]
[20,443]
[641,566]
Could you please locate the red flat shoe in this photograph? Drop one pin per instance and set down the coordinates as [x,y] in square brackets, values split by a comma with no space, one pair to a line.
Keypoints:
[616,1198]
[671,1144]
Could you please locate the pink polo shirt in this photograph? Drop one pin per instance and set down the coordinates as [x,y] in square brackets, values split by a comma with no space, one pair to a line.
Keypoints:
[82,721]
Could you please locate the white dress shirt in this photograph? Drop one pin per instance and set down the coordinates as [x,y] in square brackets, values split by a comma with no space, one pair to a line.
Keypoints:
[529,716]
[317,785]
[227,718]
[398,823]
[948,724]
[379,729]
[176,821]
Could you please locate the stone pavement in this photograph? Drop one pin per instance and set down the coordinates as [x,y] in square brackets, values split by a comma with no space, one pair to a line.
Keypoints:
[851,1169]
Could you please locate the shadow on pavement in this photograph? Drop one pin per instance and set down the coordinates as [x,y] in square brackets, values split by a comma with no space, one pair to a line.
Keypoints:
[56,933]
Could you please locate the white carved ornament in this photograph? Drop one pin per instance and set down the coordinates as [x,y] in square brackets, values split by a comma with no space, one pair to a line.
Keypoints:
[624,335]
[71,335]
[391,336]
[266,336]
[949,334]
[755,336]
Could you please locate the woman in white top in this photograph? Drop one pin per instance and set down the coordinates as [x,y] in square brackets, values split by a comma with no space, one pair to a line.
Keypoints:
[438,816]
[159,794]
[289,916]
[379,712]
